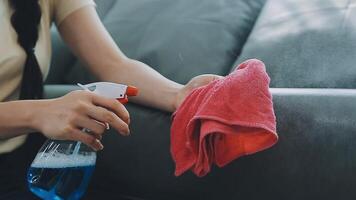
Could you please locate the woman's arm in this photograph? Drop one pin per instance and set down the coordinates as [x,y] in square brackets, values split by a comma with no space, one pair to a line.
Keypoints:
[16,118]
[63,118]
[87,37]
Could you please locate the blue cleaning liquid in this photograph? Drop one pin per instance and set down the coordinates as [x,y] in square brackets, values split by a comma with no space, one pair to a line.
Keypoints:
[63,179]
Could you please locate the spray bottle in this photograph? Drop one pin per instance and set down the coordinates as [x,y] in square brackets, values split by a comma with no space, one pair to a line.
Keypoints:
[62,169]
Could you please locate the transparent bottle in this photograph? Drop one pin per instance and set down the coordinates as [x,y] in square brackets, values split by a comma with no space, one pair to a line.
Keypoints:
[62,169]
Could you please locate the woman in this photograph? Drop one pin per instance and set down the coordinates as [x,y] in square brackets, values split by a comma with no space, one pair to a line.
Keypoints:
[24,61]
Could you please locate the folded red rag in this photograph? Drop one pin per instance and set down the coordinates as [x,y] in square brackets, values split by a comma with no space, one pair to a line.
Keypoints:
[224,120]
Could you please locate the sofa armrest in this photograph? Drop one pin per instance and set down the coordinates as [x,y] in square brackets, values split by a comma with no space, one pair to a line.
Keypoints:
[314,158]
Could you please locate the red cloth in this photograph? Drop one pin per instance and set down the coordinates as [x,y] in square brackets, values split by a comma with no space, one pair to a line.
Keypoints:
[224,120]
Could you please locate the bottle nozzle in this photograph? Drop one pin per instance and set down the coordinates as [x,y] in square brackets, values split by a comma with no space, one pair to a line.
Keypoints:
[131,91]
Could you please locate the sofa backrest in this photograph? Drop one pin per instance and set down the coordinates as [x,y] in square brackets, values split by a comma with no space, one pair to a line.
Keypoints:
[180,39]
[306,43]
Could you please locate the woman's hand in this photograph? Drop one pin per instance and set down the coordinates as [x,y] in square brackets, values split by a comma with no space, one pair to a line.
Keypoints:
[64,118]
[195,82]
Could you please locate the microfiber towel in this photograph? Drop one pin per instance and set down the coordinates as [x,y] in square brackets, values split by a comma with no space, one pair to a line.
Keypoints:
[224,120]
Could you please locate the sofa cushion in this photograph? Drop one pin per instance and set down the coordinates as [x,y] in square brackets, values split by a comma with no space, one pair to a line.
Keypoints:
[176,37]
[306,43]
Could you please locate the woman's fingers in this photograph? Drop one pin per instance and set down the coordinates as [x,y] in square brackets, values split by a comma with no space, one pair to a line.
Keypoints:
[112,105]
[103,115]
[99,137]
[95,127]
[91,141]
[67,118]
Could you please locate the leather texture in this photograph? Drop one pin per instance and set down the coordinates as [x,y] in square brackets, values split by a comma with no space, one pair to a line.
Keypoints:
[314,158]
[313,43]
[173,37]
